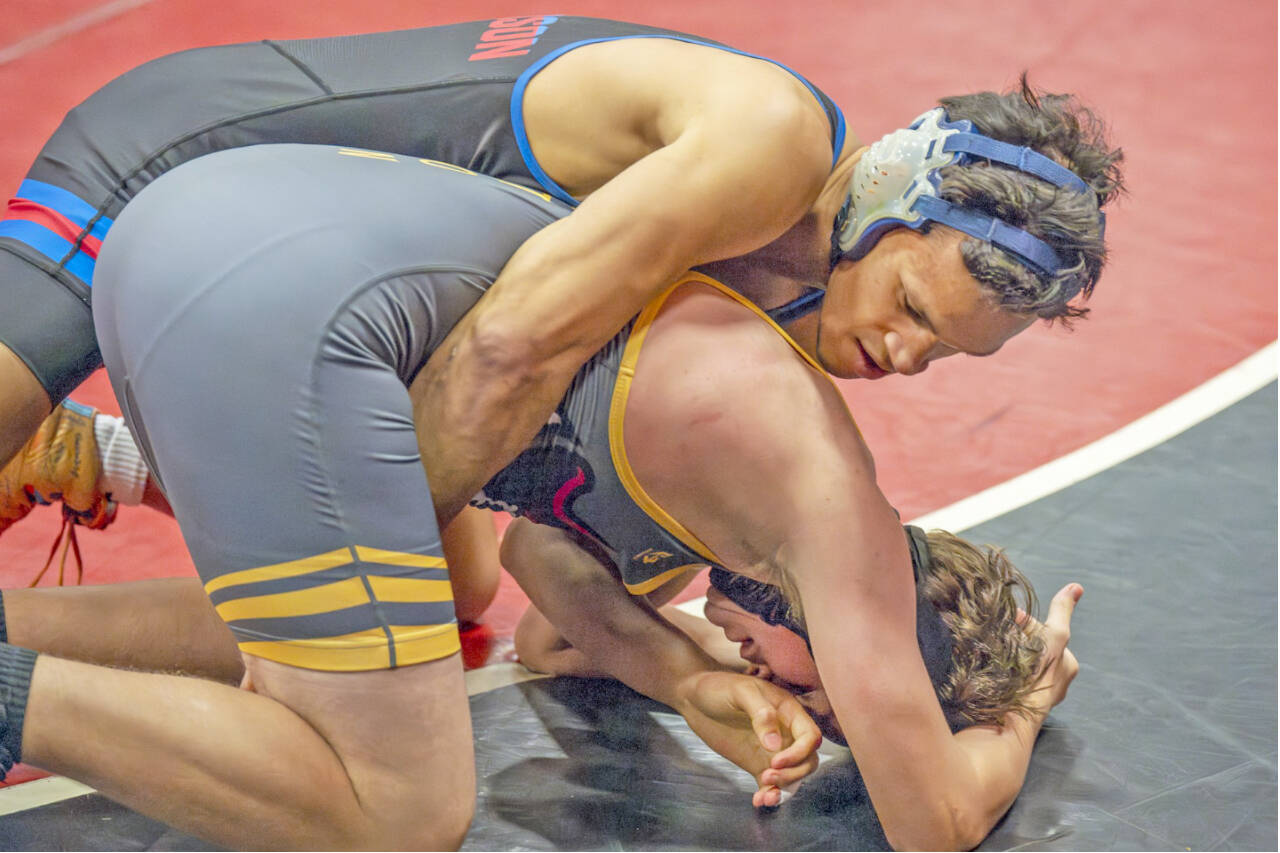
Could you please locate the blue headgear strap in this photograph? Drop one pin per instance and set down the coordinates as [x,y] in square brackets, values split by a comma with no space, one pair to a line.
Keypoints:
[1030,249]
[797,307]
[966,143]
[1020,157]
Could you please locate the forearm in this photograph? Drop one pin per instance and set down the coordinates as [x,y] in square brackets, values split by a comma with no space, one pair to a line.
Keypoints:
[753,723]
[997,758]
[541,648]
[708,637]
[973,784]
[1000,758]
[165,625]
[617,633]
[470,545]
[499,374]
[474,413]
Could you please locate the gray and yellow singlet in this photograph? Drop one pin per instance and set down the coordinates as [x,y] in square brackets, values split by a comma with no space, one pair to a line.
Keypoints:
[262,312]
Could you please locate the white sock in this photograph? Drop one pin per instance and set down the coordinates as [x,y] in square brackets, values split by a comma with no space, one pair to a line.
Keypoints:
[124,474]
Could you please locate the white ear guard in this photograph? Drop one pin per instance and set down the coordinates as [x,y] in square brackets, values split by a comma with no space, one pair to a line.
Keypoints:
[896,183]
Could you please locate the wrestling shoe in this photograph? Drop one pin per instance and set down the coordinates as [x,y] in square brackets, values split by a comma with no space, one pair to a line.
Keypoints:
[59,463]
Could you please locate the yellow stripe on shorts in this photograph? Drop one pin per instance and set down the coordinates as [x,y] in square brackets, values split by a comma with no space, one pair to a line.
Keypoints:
[399,558]
[363,650]
[289,569]
[410,590]
[325,598]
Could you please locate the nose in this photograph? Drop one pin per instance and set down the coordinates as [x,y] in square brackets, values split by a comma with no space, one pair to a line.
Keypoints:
[910,352]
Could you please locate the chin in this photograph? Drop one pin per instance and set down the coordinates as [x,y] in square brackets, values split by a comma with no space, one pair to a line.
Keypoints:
[841,372]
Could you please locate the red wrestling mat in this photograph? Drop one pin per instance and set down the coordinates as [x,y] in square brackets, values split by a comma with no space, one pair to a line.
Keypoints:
[1189,91]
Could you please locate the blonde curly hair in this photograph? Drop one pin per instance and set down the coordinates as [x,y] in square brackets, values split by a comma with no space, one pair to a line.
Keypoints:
[995,660]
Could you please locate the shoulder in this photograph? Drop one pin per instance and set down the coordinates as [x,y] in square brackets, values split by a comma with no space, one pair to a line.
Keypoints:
[684,85]
[728,422]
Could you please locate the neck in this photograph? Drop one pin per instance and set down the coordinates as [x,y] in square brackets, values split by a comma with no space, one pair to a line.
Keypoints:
[806,332]
[802,254]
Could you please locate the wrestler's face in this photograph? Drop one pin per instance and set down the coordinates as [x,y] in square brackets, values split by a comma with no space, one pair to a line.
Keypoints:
[775,653]
[909,301]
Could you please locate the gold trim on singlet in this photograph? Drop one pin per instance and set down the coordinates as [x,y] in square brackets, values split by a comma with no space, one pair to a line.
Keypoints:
[618,407]
[363,650]
[377,647]
[648,586]
[288,569]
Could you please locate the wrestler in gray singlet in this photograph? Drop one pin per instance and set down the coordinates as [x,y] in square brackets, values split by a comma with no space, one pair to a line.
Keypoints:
[261,312]
[261,340]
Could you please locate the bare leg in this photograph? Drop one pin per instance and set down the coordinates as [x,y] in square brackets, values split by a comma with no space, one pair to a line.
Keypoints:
[23,404]
[308,760]
[165,625]
[471,549]
[541,648]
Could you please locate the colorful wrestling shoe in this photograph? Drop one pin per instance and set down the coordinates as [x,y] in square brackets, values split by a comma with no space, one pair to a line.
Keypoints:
[60,462]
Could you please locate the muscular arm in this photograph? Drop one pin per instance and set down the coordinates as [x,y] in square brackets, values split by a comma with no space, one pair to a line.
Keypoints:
[758,456]
[758,726]
[844,548]
[588,604]
[728,172]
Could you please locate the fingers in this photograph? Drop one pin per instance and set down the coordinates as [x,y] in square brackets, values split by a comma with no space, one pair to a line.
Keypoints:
[784,729]
[1058,623]
[805,734]
[783,777]
[767,796]
[750,698]
[772,795]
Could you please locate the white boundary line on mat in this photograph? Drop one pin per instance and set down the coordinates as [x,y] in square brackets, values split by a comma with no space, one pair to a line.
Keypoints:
[1199,404]
[70,26]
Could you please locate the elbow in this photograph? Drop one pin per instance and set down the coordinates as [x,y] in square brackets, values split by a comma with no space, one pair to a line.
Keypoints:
[953,829]
[446,833]
[508,353]
[445,828]
[501,349]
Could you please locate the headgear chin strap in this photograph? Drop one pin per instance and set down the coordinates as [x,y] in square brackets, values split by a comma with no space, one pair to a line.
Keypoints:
[896,181]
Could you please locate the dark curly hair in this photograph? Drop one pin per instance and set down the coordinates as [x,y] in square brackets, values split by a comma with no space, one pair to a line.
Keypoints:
[1064,130]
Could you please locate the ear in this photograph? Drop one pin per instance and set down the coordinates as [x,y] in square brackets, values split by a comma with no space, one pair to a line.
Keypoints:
[819,708]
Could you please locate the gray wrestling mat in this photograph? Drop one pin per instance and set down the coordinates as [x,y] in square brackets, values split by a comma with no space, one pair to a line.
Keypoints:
[1167,740]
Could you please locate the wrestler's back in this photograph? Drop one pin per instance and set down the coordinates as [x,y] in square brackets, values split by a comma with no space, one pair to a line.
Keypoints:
[594,105]
[445,93]
[716,388]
